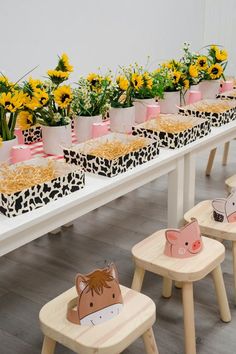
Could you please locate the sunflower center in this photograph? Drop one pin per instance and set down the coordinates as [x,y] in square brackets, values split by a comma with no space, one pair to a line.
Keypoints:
[64,97]
[202,62]
[215,71]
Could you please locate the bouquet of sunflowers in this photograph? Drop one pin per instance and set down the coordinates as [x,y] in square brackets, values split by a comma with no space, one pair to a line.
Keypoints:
[213,65]
[55,98]
[92,96]
[192,65]
[123,87]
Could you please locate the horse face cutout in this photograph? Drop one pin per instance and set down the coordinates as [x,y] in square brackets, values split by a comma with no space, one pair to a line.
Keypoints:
[224,209]
[100,297]
[185,242]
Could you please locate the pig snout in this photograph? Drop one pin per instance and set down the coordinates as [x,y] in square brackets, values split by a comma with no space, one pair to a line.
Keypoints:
[196,245]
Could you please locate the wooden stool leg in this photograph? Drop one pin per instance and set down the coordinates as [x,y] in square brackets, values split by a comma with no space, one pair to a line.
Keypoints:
[149,342]
[138,279]
[210,162]
[225,154]
[167,288]
[234,267]
[178,284]
[189,325]
[221,294]
[48,346]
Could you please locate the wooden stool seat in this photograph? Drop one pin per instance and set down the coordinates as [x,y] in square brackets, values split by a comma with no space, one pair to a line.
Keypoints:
[149,256]
[209,227]
[111,337]
[231,183]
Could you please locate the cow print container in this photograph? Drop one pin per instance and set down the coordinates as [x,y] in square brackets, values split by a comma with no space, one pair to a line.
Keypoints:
[32,135]
[111,168]
[70,179]
[228,95]
[200,128]
[217,119]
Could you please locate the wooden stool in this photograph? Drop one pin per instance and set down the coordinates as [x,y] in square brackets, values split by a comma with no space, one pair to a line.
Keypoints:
[230,183]
[209,227]
[211,158]
[111,337]
[149,255]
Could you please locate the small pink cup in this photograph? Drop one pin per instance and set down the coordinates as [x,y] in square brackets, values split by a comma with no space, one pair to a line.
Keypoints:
[194,96]
[20,153]
[19,134]
[153,110]
[100,129]
[227,86]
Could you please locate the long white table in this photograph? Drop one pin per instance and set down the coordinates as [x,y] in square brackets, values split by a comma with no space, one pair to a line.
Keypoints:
[178,164]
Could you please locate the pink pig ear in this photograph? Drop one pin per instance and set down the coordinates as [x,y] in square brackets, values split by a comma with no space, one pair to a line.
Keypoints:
[113,270]
[80,283]
[172,236]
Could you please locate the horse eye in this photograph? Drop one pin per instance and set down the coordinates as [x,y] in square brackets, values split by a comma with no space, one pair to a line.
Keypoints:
[113,295]
[186,243]
[233,203]
[91,304]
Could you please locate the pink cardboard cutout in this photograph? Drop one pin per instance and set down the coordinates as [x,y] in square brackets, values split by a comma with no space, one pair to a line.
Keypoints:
[224,209]
[99,297]
[185,242]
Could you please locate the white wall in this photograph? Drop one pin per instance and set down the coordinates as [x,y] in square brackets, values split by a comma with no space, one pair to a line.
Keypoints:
[95,32]
[220,28]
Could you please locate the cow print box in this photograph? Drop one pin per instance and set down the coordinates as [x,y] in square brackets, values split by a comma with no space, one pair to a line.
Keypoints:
[228,95]
[32,135]
[110,168]
[217,119]
[69,180]
[200,128]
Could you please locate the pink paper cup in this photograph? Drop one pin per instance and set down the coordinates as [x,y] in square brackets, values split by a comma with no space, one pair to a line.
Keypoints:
[153,110]
[99,129]
[19,134]
[194,96]
[20,153]
[227,86]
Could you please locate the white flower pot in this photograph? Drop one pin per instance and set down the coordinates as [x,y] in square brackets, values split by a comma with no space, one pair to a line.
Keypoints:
[83,126]
[55,138]
[141,108]
[5,150]
[122,119]
[209,88]
[170,103]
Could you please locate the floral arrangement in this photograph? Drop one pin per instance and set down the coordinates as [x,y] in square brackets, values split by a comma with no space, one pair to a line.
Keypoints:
[171,76]
[214,63]
[193,64]
[55,98]
[145,83]
[123,88]
[92,96]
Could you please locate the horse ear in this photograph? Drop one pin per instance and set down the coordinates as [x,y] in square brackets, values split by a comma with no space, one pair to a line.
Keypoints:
[219,205]
[113,270]
[80,283]
[172,236]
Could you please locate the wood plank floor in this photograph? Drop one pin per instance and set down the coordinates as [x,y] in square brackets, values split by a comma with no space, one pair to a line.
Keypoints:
[39,271]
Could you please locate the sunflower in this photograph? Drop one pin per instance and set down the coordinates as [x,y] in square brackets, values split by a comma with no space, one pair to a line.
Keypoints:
[122,82]
[31,102]
[12,101]
[176,76]
[186,84]
[193,70]
[202,63]
[65,65]
[24,120]
[63,96]
[137,81]
[148,81]
[35,84]
[58,76]
[221,55]
[42,97]
[215,71]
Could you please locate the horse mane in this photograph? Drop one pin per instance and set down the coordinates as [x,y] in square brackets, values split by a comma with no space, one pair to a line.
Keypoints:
[98,280]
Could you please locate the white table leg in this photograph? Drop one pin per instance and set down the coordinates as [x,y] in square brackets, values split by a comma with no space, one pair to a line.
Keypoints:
[189,180]
[175,194]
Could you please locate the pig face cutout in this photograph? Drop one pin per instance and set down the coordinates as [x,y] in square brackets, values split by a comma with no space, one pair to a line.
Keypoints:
[224,209]
[185,242]
[100,297]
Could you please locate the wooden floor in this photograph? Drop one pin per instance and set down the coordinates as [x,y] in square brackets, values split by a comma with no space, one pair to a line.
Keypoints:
[39,271]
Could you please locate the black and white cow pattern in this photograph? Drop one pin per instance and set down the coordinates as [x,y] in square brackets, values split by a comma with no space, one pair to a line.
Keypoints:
[37,196]
[32,135]
[217,119]
[175,140]
[225,96]
[111,168]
